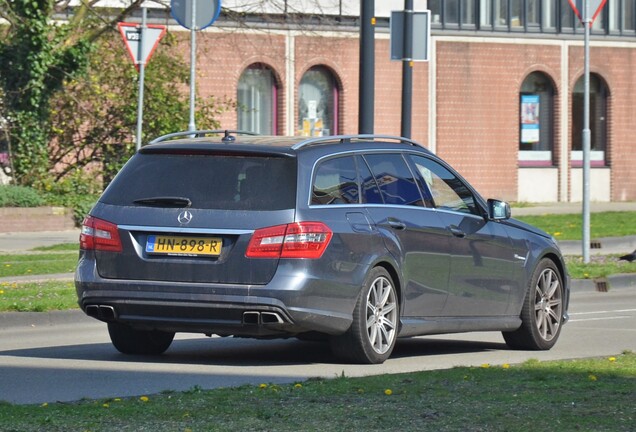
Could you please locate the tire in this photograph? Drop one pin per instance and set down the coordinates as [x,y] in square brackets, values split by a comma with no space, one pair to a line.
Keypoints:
[542,311]
[128,340]
[373,332]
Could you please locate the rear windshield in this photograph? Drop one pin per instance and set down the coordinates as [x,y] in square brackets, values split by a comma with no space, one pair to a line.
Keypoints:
[209,181]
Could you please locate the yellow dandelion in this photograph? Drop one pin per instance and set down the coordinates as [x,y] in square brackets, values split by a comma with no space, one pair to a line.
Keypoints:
[117,400]
[360,391]
[1,291]
[485,365]
[29,271]
[262,386]
[388,392]
[298,385]
[505,366]
[144,399]
[592,377]
[45,404]
[7,265]
[586,275]
[556,234]
[105,405]
[612,359]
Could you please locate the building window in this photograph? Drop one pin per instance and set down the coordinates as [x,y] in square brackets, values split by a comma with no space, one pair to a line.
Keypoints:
[598,121]
[453,13]
[257,100]
[621,16]
[318,103]
[536,131]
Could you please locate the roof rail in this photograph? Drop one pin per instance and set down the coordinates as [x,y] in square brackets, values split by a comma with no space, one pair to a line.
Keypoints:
[199,134]
[348,138]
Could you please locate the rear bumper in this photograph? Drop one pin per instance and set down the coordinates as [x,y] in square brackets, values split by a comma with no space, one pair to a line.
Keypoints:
[284,307]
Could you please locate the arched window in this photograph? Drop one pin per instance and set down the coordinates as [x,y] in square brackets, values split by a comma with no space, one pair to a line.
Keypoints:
[598,120]
[257,100]
[318,103]
[536,135]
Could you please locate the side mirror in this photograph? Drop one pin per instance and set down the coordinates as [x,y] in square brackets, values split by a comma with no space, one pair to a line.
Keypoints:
[498,210]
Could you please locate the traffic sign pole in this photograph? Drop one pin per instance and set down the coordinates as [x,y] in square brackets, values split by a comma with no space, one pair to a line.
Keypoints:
[193,67]
[407,70]
[142,70]
[587,22]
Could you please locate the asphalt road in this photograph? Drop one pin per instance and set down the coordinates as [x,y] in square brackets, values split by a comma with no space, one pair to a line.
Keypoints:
[71,357]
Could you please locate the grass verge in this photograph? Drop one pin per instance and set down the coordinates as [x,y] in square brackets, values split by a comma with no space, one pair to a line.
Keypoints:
[37,296]
[569,226]
[24,264]
[591,394]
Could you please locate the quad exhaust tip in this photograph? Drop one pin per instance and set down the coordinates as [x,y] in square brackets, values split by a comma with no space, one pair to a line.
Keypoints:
[260,318]
[101,312]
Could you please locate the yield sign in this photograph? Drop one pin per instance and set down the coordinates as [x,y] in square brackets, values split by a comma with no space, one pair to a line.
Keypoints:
[141,51]
[595,7]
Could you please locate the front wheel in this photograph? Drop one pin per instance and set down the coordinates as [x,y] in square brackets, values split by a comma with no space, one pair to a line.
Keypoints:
[373,332]
[542,312]
[128,340]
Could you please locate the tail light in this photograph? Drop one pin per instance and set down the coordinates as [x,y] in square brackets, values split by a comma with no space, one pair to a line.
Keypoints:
[98,234]
[295,240]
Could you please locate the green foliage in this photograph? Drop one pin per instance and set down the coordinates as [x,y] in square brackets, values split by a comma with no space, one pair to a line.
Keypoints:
[95,119]
[79,191]
[37,55]
[19,196]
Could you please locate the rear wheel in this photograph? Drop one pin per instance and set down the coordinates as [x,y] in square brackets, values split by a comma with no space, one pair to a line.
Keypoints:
[373,332]
[542,312]
[128,340]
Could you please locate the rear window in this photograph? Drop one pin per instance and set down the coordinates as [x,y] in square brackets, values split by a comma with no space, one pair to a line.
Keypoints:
[223,182]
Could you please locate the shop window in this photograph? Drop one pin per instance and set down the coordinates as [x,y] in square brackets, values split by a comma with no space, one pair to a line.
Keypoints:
[536,131]
[598,121]
[257,100]
[318,103]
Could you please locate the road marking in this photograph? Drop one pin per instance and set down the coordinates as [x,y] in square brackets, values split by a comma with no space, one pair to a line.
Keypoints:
[599,319]
[604,312]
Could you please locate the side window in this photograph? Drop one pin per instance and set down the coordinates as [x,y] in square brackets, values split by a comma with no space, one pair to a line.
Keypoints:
[395,179]
[448,192]
[336,182]
[370,191]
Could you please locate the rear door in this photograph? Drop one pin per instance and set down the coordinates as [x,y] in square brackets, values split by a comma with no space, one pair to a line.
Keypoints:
[413,232]
[186,216]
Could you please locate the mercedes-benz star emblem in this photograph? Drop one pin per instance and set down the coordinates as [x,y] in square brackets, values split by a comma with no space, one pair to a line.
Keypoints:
[184,217]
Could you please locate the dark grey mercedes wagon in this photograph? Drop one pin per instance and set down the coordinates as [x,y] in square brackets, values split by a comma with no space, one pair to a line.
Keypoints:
[358,240]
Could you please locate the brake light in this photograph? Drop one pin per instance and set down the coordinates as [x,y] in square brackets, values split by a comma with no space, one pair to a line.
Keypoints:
[98,234]
[295,240]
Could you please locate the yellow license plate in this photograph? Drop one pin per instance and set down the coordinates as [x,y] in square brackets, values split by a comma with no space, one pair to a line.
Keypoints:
[189,246]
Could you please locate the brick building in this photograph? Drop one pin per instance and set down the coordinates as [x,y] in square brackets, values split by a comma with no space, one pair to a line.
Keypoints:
[501,97]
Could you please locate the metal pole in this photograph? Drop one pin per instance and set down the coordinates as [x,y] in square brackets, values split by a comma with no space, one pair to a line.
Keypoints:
[142,67]
[193,65]
[366,96]
[587,21]
[407,69]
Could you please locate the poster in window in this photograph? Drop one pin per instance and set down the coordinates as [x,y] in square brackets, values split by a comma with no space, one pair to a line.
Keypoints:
[530,118]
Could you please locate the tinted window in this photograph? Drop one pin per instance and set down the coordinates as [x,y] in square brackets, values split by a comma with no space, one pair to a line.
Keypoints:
[370,190]
[209,181]
[394,179]
[448,192]
[336,182]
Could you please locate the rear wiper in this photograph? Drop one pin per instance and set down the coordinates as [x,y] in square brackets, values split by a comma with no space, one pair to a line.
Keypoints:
[167,201]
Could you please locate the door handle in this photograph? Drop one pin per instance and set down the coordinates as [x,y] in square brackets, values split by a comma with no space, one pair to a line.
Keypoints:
[396,224]
[456,231]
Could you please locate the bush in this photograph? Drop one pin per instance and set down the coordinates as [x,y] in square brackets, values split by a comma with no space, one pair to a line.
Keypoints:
[20,196]
[78,191]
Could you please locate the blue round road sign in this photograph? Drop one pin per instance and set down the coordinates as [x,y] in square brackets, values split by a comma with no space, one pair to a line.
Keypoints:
[205,12]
